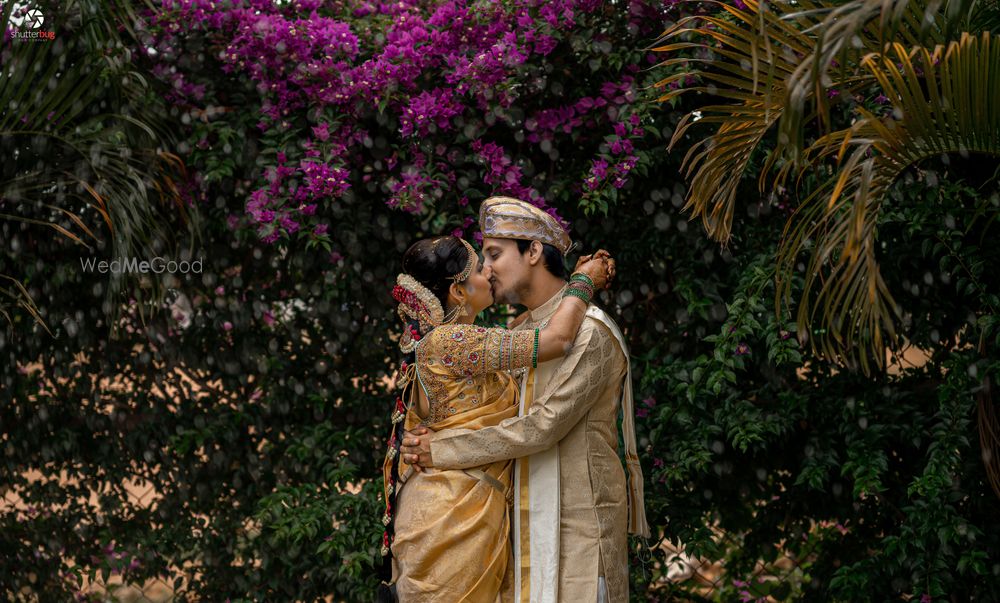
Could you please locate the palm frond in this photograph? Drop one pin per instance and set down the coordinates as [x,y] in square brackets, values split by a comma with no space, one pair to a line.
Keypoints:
[17,296]
[84,174]
[740,66]
[985,16]
[775,63]
[943,103]
[847,32]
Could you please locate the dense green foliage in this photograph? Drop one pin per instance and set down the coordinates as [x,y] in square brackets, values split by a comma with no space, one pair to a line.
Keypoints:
[254,399]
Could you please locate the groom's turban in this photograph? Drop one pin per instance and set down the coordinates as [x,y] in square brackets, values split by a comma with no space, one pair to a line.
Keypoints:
[507,218]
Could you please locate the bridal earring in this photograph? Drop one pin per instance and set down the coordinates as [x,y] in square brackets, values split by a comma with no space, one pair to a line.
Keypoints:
[457,312]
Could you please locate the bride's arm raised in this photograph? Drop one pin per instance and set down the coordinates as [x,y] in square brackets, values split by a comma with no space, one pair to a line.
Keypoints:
[556,339]
[463,350]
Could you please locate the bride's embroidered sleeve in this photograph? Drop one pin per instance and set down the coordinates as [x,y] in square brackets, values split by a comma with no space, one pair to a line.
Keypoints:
[471,350]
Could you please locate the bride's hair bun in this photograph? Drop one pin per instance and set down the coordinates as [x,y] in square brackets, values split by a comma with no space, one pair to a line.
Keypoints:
[432,262]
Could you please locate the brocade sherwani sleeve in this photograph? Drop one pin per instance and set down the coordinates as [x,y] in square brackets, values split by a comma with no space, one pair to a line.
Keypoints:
[573,390]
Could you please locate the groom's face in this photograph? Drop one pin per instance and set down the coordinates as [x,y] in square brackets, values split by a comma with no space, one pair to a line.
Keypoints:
[509,270]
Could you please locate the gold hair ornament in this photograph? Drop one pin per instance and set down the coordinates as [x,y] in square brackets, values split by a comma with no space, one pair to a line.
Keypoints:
[464,274]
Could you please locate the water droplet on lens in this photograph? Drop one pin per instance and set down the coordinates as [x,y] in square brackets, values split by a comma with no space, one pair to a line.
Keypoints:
[661,221]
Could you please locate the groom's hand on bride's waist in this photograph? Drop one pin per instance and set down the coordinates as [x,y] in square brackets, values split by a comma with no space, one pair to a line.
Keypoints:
[416,448]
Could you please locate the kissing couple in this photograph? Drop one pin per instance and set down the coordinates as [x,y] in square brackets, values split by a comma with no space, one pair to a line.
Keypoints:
[503,479]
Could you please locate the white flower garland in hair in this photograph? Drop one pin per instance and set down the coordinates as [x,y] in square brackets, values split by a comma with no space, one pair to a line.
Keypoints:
[416,302]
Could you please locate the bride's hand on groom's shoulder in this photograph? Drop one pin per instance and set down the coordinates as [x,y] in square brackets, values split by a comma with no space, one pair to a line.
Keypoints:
[599,266]
[416,448]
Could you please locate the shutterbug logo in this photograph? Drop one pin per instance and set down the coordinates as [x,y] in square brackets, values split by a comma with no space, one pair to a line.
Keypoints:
[25,23]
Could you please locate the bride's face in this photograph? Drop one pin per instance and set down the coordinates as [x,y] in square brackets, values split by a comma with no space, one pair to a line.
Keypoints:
[477,287]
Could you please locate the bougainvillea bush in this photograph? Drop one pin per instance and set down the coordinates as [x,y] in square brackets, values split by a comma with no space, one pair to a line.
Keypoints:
[320,140]
[424,106]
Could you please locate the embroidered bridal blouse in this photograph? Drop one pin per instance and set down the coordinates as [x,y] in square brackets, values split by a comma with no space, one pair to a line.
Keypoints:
[452,540]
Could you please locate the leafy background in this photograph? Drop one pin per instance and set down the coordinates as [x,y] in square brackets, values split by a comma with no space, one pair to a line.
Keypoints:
[249,402]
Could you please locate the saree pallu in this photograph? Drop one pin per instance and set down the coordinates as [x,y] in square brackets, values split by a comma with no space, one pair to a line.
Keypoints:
[452,530]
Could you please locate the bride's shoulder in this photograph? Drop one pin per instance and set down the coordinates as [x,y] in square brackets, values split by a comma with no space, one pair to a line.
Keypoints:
[452,348]
[450,334]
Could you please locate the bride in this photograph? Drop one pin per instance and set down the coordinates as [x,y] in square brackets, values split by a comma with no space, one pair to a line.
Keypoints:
[447,537]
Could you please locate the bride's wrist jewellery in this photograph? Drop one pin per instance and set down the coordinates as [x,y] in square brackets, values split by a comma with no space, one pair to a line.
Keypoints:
[580,286]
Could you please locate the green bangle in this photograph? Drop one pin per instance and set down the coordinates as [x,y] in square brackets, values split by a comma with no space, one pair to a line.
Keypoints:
[534,353]
[581,277]
[582,286]
[578,294]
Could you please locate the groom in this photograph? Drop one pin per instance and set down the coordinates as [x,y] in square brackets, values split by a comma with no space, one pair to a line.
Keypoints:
[572,504]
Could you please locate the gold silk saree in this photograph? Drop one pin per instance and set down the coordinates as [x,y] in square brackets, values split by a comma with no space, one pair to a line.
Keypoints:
[452,527]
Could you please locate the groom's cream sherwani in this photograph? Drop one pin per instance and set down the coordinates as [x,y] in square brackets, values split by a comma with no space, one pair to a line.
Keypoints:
[572,504]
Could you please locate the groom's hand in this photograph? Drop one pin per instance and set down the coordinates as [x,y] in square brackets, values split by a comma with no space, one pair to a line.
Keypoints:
[416,448]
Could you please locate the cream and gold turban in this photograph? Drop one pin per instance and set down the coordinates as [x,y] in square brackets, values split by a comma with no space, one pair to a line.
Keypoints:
[508,218]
